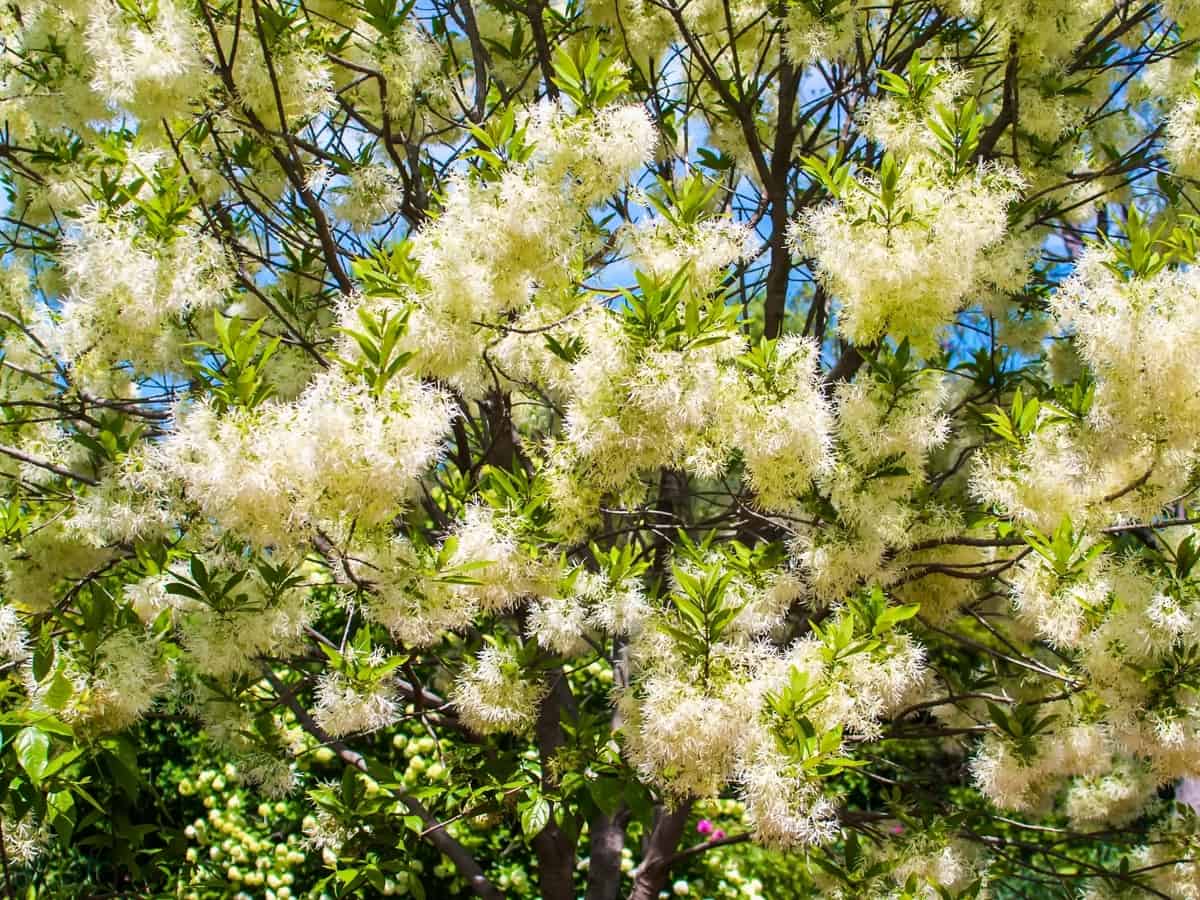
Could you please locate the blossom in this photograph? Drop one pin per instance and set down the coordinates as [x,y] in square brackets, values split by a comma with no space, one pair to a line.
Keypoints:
[492,694]
[336,453]
[371,193]
[113,692]
[130,312]
[151,67]
[14,641]
[682,738]
[24,840]
[907,277]
[497,244]
[345,707]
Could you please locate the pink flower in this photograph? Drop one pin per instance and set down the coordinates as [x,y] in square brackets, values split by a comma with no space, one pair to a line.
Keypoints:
[718,835]
[897,829]
[704,826]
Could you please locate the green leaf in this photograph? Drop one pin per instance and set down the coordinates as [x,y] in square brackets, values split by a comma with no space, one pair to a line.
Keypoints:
[60,806]
[32,747]
[63,760]
[606,793]
[894,615]
[535,817]
[121,760]
[44,721]
[59,691]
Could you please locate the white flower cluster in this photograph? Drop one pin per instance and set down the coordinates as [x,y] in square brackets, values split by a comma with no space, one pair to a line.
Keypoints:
[559,624]
[1012,781]
[487,571]
[1182,147]
[35,570]
[1115,798]
[229,642]
[1055,606]
[151,67]
[633,408]
[661,248]
[24,839]
[1138,337]
[1053,475]
[593,605]
[1125,622]
[1047,32]
[498,243]
[109,692]
[682,735]
[811,37]
[113,512]
[63,95]
[412,603]
[334,455]
[371,193]
[126,296]
[693,730]
[407,61]
[906,272]
[901,124]
[940,865]
[783,428]
[14,640]
[302,77]
[344,707]
[785,811]
[500,571]
[492,694]
[883,440]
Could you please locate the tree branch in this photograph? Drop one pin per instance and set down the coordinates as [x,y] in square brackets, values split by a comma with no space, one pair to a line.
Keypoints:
[466,865]
[651,875]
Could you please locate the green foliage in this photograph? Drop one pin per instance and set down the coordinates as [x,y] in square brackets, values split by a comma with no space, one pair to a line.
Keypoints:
[915,87]
[886,210]
[835,175]
[378,341]
[233,370]
[686,205]
[666,313]
[813,753]
[957,132]
[388,272]
[1021,724]
[113,437]
[501,145]
[1027,417]
[1067,551]
[386,16]
[589,78]
[704,609]
[1148,248]
[879,563]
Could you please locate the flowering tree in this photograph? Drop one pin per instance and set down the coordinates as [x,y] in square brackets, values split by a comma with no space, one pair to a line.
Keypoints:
[656,400]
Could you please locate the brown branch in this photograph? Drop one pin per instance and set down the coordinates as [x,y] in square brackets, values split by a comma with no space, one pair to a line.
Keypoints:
[554,844]
[650,876]
[1117,495]
[779,273]
[48,466]
[846,367]
[705,846]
